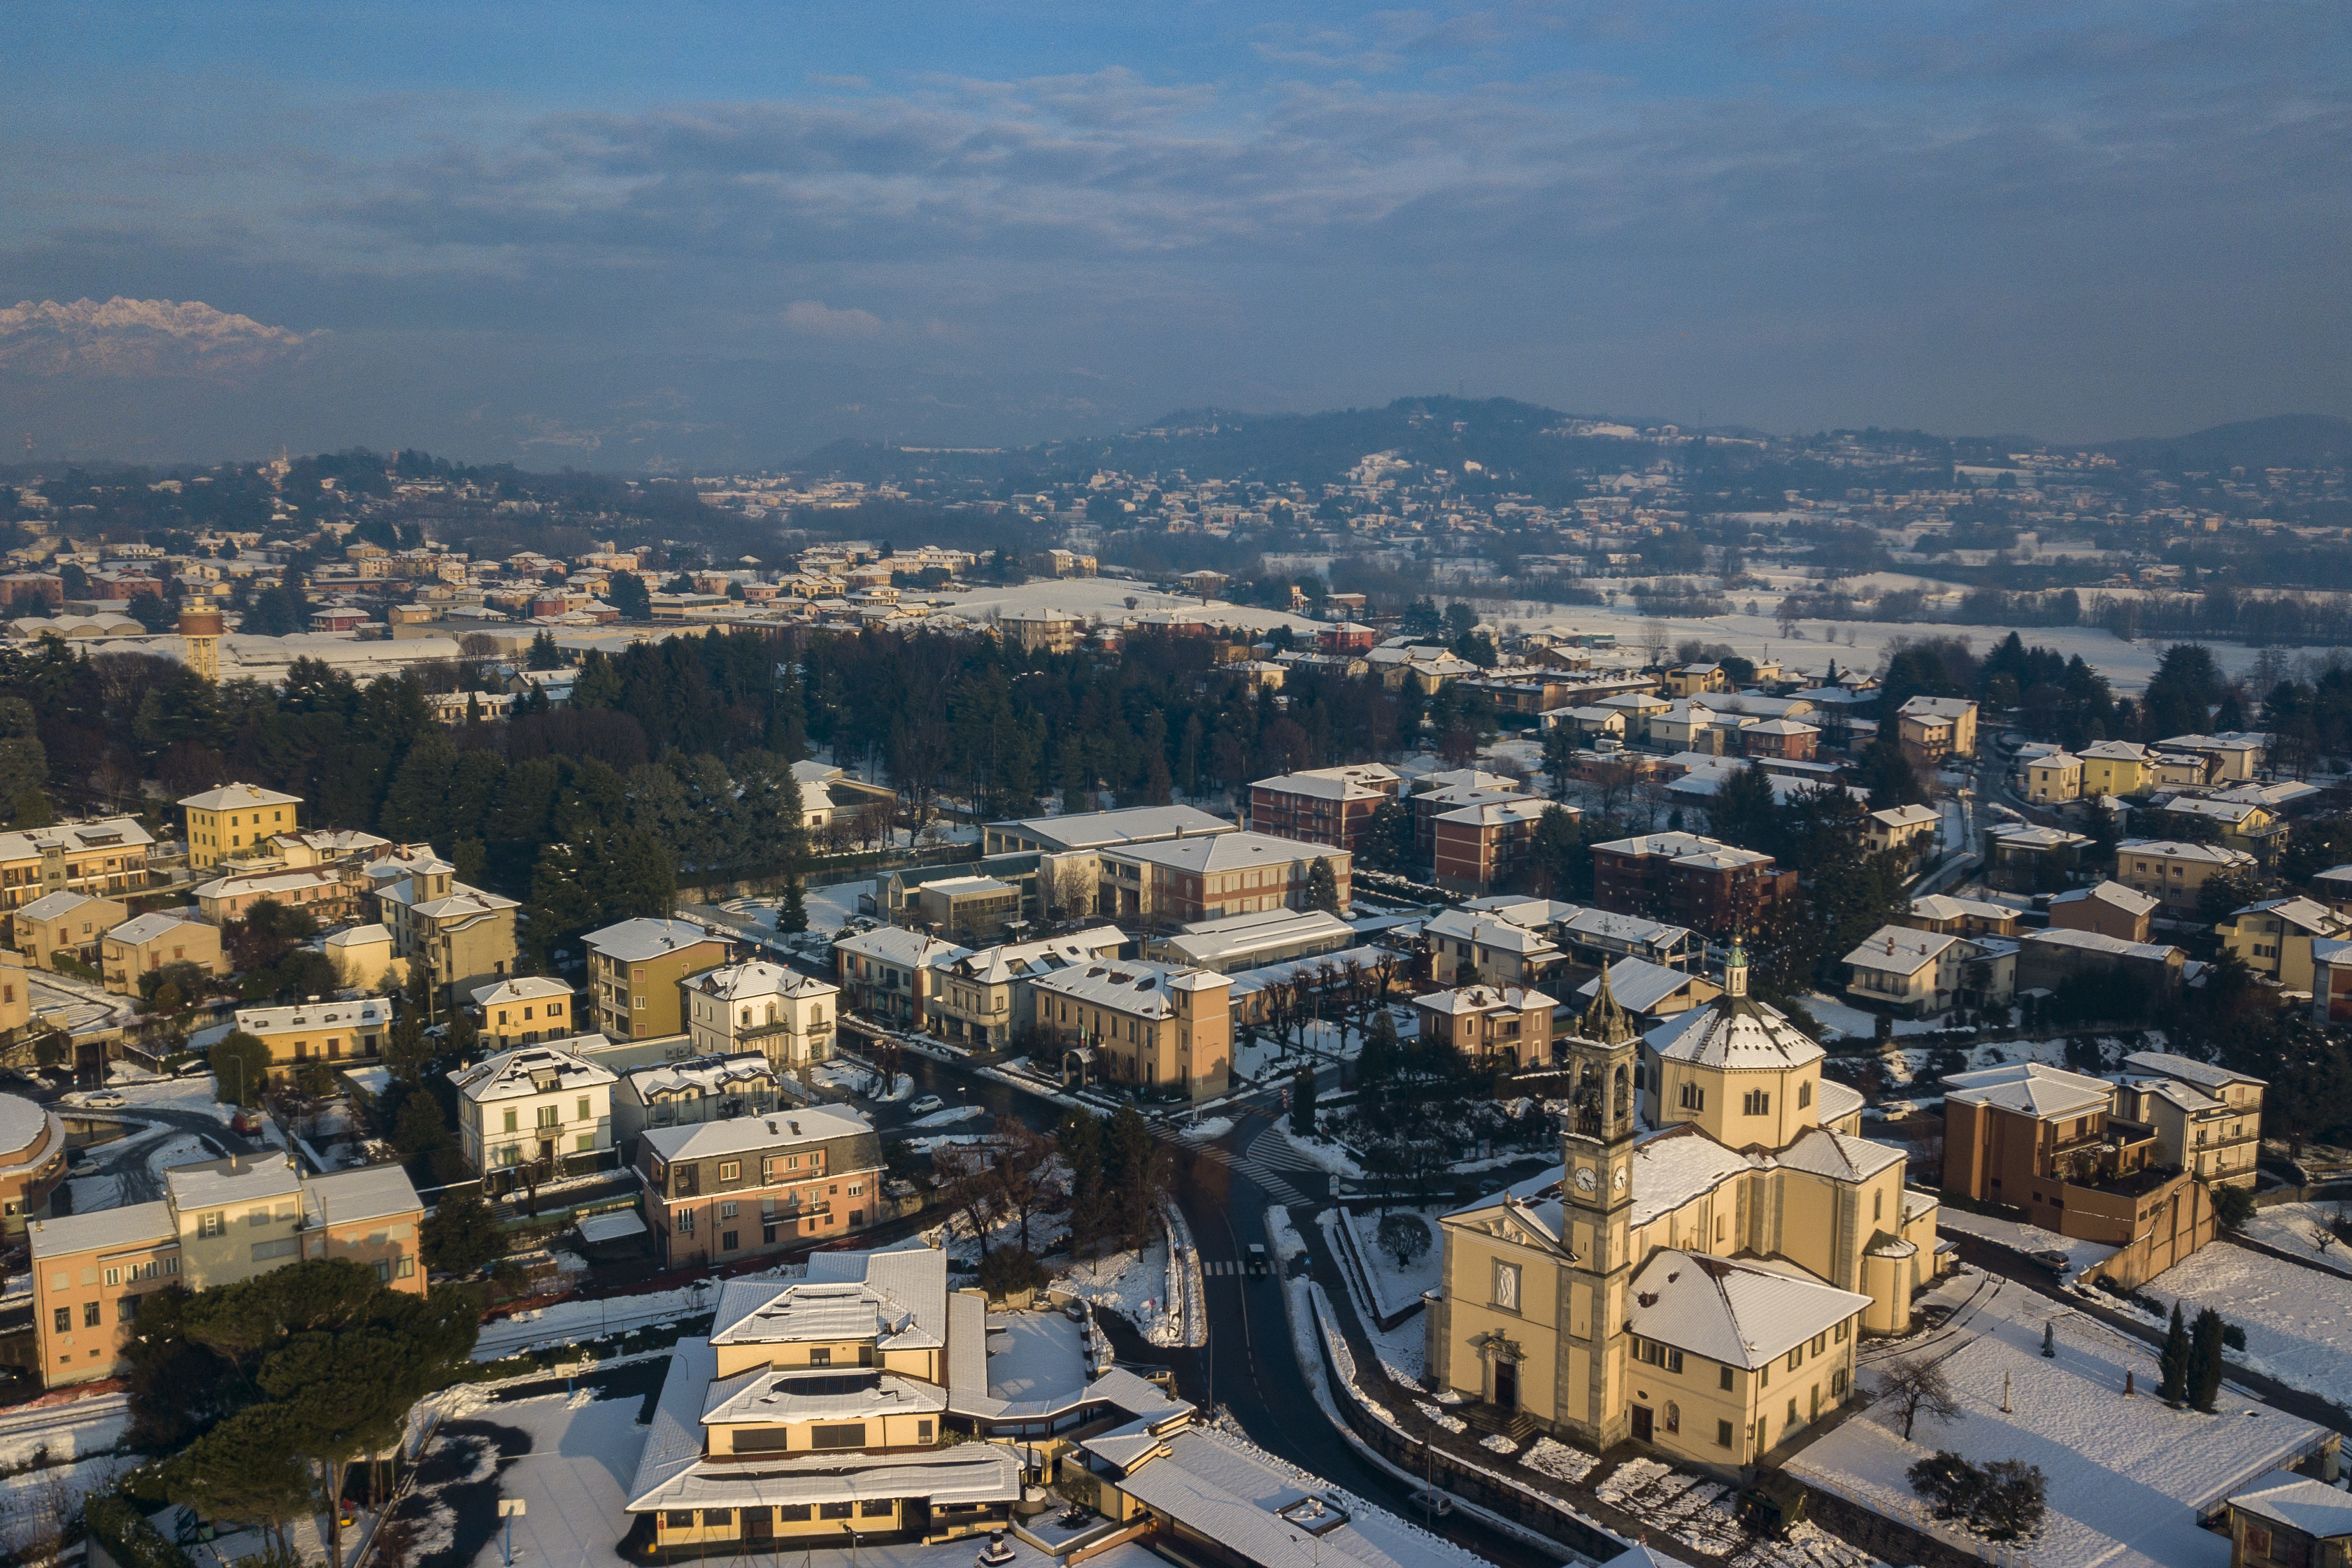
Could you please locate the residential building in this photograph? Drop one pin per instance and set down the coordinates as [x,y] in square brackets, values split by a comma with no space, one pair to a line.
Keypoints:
[2110,909]
[982,998]
[221,822]
[1101,829]
[33,1156]
[780,1013]
[1961,917]
[1618,1299]
[1489,1026]
[1787,740]
[320,1030]
[1490,947]
[1176,882]
[74,924]
[218,1221]
[2238,755]
[1042,630]
[2176,872]
[718,1191]
[539,1107]
[968,909]
[524,1011]
[2275,936]
[465,937]
[1322,805]
[1442,793]
[2208,1119]
[2124,769]
[1695,680]
[150,942]
[2029,860]
[885,973]
[2054,780]
[1686,879]
[2048,958]
[322,894]
[1235,942]
[1918,974]
[2300,1523]
[2052,1145]
[693,1090]
[1650,993]
[363,957]
[1909,828]
[105,858]
[1155,1027]
[1930,727]
[634,970]
[16,996]
[1477,849]
[2246,825]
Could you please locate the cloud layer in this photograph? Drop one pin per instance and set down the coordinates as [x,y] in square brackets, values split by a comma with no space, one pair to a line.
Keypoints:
[2081,220]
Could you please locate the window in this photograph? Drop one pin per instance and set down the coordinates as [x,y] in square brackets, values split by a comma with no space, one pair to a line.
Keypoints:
[513,1121]
[685,1222]
[115,1276]
[875,1508]
[678,1518]
[384,1270]
[923,1430]
[284,1247]
[550,1116]
[850,1434]
[2258,1540]
[1804,1094]
[1878,1203]
[1722,1378]
[833,1509]
[586,1143]
[1840,1333]
[1723,1431]
[1673,1416]
[1792,1421]
[90,1315]
[730,1170]
[1755,1102]
[717,1519]
[1693,1097]
[1820,1343]
[1796,1358]
[585,1114]
[821,1355]
[1837,1384]
[792,1512]
[727,1240]
[213,1223]
[65,1320]
[409,1268]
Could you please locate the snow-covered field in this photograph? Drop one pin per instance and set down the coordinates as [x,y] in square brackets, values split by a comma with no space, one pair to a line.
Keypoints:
[830,908]
[1135,1286]
[2128,1477]
[1832,1014]
[1105,597]
[2303,1229]
[584,1451]
[1403,1349]
[1399,1287]
[2298,1320]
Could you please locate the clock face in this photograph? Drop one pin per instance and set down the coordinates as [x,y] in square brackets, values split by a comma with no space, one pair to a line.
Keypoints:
[1584,1182]
[1620,1180]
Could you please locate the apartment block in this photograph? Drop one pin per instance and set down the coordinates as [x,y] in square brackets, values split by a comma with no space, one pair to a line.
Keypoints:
[634,970]
[717,1191]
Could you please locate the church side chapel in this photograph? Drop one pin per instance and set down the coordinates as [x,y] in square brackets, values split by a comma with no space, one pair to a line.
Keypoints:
[1698,1286]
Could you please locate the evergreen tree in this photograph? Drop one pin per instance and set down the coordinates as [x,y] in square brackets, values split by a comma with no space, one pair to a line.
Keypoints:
[2172,1364]
[1563,861]
[2204,1359]
[462,1235]
[794,914]
[1323,886]
[626,593]
[240,1065]
[543,654]
[1302,1102]
[1387,838]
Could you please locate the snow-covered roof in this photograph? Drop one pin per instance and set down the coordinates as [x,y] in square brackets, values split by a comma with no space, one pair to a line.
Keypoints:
[1839,1155]
[2098,941]
[1496,932]
[2316,1507]
[705,1075]
[898,1293]
[1227,852]
[2304,914]
[2205,1074]
[1683,1163]
[1937,708]
[1638,985]
[1733,1309]
[147,928]
[789,1128]
[132,1224]
[1900,816]
[748,982]
[1483,999]
[770,1395]
[1140,987]
[1900,950]
[2113,893]
[368,1012]
[521,988]
[2175,849]
[238,797]
[1098,829]
[638,940]
[2034,1088]
[901,945]
[57,906]
[1329,783]
[350,1198]
[1736,1033]
[1020,960]
[75,837]
[238,1179]
[1944,906]
[528,1070]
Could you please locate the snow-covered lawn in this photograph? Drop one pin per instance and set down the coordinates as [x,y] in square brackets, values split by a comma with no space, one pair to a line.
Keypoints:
[2298,1320]
[2128,1477]
[1915,1064]
[1832,1014]
[36,1505]
[1394,1286]
[1135,1286]
[1403,1349]
[584,1451]
[2298,1227]
[830,908]
[1324,1156]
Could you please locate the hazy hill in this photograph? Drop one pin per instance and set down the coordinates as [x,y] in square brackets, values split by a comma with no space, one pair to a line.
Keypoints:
[2281,441]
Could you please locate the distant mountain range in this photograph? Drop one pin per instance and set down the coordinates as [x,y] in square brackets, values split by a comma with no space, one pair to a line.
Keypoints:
[2281,441]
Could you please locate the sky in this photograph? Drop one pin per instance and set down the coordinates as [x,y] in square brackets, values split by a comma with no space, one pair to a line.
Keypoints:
[705,236]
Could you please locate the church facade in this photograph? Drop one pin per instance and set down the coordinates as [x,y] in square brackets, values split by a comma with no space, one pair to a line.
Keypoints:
[1699,1286]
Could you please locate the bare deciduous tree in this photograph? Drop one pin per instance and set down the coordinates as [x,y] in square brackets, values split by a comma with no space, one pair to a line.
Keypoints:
[1916,1385]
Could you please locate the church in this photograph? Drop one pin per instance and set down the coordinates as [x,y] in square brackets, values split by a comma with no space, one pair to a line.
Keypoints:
[1695,1278]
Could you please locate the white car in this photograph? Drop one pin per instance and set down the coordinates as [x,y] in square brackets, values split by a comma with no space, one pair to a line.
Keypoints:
[104,1100]
[84,1166]
[925,1106]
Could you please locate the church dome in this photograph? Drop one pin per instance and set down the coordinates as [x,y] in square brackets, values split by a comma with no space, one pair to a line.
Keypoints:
[1736,1033]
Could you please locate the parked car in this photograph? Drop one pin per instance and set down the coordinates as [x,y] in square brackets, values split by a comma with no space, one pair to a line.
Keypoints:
[103,1099]
[84,1166]
[925,1106]
[246,1123]
[1430,1504]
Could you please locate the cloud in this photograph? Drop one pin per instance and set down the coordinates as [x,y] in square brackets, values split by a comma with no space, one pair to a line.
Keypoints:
[136,338]
[815,319]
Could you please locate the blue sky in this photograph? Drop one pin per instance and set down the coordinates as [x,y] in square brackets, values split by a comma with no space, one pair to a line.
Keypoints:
[719,235]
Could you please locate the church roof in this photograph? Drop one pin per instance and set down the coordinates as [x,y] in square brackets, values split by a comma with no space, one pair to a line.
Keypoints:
[1737,1032]
[1733,1309]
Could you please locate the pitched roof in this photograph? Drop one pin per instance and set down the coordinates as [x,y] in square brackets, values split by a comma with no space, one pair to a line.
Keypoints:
[637,940]
[2034,1088]
[2112,893]
[1901,950]
[792,1127]
[2314,1507]
[515,1074]
[1639,984]
[2206,1075]
[1736,1033]
[1733,1309]
[238,797]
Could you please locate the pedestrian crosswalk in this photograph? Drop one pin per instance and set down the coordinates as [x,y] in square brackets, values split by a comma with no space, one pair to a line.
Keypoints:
[1264,1162]
[1213,1268]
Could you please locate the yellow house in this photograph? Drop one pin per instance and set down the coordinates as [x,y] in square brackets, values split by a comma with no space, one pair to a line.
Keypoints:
[328,1031]
[1699,1288]
[2170,869]
[2054,780]
[236,816]
[1695,680]
[2274,937]
[2117,768]
[152,942]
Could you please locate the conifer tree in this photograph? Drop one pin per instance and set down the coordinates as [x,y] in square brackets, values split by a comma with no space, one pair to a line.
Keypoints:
[2204,1359]
[2172,1365]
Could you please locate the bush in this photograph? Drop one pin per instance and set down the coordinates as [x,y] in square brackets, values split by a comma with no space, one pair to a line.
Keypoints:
[2003,1501]
[128,1536]
[2232,1207]
[1009,1270]
[2233,1337]
[1404,1238]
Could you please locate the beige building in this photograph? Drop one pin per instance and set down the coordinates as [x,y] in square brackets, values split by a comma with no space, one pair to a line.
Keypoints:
[16,996]
[71,923]
[219,1221]
[2274,937]
[334,1032]
[2208,1119]
[780,1013]
[540,1106]
[983,997]
[463,936]
[1041,630]
[634,970]
[2055,779]
[106,859]
[1153,1027]
[2175,872]
[152,942]
[967,909]
[322,894]
[236,816]
[1489,1026]
[363,957]
[1699,1289]
[33,1155]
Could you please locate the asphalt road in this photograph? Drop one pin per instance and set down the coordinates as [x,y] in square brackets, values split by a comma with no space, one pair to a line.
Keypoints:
[126,1157]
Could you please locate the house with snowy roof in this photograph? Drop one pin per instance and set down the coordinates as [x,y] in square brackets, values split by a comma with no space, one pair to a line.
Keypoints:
[1700,1288]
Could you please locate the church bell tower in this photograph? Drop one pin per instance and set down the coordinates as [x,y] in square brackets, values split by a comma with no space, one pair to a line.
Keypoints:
[1597,1161]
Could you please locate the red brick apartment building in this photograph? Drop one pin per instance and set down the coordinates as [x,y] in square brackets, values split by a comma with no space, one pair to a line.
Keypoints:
[1322,805]
[1686,879]
[1479,847]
